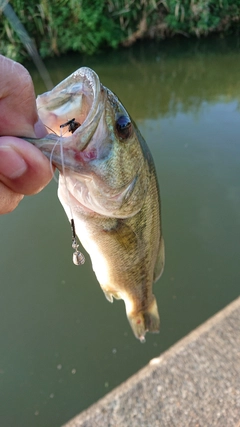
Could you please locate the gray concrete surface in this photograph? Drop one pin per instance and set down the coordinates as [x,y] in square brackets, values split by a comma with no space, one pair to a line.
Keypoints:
[196,383]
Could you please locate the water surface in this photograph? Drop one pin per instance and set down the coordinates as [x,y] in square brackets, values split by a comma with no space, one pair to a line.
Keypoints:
[63,345]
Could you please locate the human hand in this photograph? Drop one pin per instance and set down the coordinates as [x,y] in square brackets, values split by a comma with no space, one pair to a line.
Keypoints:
[24,170]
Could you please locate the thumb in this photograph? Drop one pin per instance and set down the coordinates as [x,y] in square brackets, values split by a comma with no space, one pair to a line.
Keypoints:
[18,109]
[23,168]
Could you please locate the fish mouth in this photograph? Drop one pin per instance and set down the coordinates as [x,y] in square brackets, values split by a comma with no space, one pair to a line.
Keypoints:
[79,99]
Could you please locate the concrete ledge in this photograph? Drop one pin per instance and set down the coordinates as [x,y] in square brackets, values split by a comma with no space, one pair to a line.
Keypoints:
[195,383]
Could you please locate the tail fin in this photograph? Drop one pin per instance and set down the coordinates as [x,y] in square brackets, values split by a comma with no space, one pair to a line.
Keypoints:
[144,321]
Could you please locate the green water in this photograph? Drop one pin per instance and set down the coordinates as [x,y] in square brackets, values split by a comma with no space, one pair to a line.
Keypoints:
[63,346]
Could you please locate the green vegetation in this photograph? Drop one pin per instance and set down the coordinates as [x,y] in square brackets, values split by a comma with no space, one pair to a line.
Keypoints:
[87,26]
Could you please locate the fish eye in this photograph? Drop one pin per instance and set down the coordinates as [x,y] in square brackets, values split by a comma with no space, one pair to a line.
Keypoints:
[124,127]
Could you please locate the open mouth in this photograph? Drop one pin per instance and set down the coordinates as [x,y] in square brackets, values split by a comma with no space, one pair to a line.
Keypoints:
[76,100]
[71,112]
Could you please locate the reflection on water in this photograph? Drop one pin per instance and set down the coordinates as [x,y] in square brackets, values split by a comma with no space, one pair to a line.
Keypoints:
[63,345]
[161,80]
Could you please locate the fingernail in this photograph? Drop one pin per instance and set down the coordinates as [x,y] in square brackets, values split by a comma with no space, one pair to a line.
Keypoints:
[12,164]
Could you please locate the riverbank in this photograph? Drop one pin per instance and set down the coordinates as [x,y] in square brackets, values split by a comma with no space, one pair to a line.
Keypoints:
[89,27]
[194,383]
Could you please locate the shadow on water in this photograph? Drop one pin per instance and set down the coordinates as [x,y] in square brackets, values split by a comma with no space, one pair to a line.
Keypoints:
[63,345]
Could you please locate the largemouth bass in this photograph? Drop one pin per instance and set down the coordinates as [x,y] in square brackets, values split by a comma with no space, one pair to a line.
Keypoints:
[109,184]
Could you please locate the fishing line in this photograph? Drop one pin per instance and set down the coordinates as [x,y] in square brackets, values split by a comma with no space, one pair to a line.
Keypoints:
[78,257]
[51,162]
[51,155]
